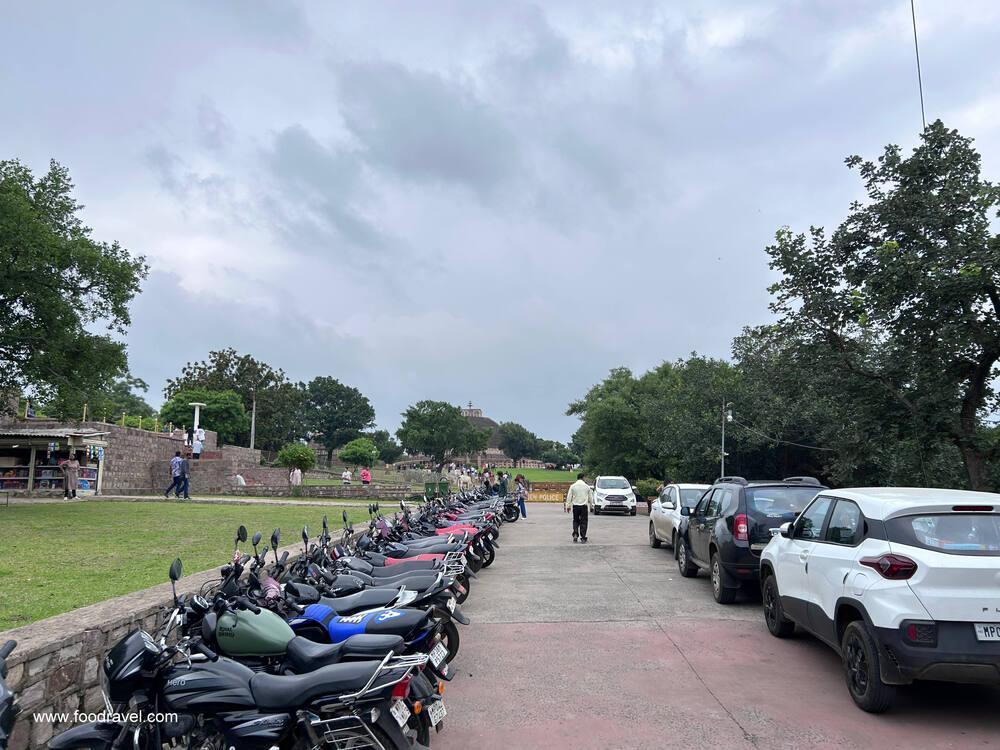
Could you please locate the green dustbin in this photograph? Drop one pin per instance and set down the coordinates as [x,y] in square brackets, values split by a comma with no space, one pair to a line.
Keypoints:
[443,488]
[430,490]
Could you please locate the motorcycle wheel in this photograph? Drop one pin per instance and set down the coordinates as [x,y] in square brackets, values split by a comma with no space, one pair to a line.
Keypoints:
[491,555]
[476,565]
[450,637]
[464,580]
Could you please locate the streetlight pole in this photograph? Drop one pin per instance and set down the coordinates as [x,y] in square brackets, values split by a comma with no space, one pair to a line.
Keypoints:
[727,416]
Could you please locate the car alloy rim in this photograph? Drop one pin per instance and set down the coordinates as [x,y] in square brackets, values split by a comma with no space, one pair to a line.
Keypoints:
[769,614]
[681,555]
[716,582]
[857,666]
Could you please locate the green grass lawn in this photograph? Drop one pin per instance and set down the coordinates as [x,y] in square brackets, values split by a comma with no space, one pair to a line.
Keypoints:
[60,557]
[543,475]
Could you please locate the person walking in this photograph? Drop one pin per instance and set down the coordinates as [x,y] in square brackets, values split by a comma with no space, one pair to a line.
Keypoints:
[175,474]
[295,477]
[196,448]
[186,477]
[345,476]
[580,498]
[521,493]
[71,475]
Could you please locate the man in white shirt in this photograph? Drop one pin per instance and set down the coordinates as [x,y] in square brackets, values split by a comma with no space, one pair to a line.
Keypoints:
[581,499]
[346,476]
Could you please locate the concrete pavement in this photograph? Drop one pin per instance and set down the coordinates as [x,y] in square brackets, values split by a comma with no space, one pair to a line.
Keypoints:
[605,645]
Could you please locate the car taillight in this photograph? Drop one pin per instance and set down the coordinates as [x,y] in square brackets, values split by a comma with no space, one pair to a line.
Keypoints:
[893,567]
[402,688]
[920,633]
[741,528]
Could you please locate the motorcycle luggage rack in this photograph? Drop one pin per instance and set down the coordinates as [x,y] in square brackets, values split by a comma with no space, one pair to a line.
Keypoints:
[391,662]
[345,732]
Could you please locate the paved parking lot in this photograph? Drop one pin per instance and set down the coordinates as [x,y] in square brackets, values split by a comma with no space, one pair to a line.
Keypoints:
[604,645]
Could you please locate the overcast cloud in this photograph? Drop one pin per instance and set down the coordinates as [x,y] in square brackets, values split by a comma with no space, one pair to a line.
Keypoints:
[495,202]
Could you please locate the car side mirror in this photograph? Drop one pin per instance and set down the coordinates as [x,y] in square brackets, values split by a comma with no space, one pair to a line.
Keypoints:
[786,530]
[685,511]
[667,506]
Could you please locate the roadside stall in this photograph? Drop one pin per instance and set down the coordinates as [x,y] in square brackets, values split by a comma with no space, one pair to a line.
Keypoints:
[30,458]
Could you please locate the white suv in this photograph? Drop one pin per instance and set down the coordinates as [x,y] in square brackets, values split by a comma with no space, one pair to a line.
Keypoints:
[903,583]
[613,493]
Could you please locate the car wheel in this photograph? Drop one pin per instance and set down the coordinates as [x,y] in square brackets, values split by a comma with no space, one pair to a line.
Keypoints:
[597,511]
[774,616]
[632,513]
[719,591]
[861,668]
[653,541]
[687,568]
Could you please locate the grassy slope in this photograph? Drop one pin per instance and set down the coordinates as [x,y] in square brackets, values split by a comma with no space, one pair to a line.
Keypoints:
[60,557]
[544,475]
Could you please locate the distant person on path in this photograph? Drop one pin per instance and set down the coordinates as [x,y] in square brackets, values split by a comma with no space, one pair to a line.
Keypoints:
[176,475]
[581,499]
[521,493]
[366,476]
[346,476]
[71,475]
[196,448]
[502,485]
[295,477]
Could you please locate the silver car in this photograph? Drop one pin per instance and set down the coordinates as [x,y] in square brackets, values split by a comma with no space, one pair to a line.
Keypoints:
[665,513]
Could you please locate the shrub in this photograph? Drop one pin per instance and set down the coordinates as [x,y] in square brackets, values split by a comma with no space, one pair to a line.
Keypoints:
[646,487]
[360,452]
[297,456]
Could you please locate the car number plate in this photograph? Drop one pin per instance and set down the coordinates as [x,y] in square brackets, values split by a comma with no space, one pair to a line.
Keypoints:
[400,712]
[987,631]
[438,654]
[436,711]
[451,604]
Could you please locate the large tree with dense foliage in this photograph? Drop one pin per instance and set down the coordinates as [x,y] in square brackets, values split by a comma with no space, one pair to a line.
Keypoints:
[904,297]
[279,402]
[388,449]
[223,412]
[517,441]
[337,411]
[57,283]
[359,452]
[106,402]
[438,429]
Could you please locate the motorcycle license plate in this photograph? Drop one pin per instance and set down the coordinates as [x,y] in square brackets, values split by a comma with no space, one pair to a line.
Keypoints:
[436,712]
[987,631]
[400,712]
[438,654]
[451,604]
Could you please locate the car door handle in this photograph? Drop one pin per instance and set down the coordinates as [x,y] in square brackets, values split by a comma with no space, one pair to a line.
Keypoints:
[804,556]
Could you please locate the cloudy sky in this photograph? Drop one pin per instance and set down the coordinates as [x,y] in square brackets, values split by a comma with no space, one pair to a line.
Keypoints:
[495,202]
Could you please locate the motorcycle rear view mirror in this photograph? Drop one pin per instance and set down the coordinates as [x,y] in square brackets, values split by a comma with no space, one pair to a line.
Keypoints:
[175,573]
[256,539]
[345,518]
[275,538]
[326,526]
[402,506]
[241,535]
[305,536]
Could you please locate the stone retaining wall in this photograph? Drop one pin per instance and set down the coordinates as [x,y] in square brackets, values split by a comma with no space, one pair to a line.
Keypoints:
[56,665]
[374,491]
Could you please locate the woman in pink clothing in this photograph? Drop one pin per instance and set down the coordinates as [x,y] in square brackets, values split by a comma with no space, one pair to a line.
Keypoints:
[366,476]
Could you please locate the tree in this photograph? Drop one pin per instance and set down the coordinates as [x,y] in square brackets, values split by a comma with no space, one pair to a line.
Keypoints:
[358,452]
[554,452]
[517,441]
[223,412]
[389,450]
[904,296]
[106,402]
[297,456]
[57,284]
[436,429]
[337,411]
[279,403]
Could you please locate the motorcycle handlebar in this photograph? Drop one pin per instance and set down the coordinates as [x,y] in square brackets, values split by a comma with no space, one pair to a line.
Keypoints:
[201,648]
[243,603]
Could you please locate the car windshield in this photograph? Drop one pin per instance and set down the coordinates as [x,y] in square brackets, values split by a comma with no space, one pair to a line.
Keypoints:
[779,501]
[690,498]
[952,533]
[612,483]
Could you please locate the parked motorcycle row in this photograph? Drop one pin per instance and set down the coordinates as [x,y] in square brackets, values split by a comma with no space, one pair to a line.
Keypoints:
[345,645]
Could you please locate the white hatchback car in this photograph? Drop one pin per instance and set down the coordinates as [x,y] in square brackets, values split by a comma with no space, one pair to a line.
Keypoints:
[903,583]
[613,493]
[665,513]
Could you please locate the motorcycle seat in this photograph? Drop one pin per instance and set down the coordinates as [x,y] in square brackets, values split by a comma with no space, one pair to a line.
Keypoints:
[366,599]
[273,692]
[303,655]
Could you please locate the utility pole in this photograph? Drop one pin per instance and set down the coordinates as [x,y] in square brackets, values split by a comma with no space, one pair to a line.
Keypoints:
[253,419]
[727,416]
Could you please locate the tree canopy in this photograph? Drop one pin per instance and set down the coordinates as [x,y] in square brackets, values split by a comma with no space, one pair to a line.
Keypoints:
[389,450]
[223,412]
[58,285]
[358,452]
[297,456]
[337,411]
[518,441]
[437,429]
